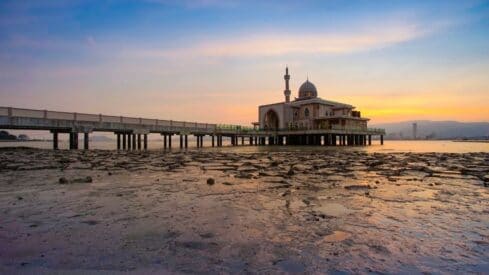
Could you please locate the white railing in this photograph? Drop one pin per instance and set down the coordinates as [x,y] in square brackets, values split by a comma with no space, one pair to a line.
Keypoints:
[29,113]
[3,111]
[164,123]
[111,119]
[60,115]
[88,117]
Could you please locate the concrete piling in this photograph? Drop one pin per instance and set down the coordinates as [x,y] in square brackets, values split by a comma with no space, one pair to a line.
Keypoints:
[55,140]
[85,141]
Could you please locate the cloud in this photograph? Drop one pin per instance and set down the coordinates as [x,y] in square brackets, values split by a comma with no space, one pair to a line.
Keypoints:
[272,44]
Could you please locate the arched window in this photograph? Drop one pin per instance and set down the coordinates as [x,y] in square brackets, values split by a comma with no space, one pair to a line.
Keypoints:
[306,112]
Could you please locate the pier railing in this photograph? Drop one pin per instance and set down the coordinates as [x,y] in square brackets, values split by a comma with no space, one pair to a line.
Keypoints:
[99,118]
[43,119]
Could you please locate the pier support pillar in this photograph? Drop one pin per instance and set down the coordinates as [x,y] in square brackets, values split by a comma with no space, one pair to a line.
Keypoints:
[381,140]
[71,142]
[134,141]
[85,141]
[165,144]
[123,141]
[181,141]
[242,140]
[186,141]
[139,141]
[145,141]
[169,140]
[212,140]
[55,140]
[75,141]
[118,141]
[369,139]
[129,141]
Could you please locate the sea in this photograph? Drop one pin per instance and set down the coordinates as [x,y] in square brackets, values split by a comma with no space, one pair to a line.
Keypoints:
[390,146]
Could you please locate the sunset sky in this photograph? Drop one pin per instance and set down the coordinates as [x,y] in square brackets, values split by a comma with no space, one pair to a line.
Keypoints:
[216,61]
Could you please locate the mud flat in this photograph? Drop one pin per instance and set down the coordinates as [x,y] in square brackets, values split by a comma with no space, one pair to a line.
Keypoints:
[224,212]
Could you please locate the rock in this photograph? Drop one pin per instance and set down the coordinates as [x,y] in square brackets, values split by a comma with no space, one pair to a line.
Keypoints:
[86,179]
[375,163]
[247,169]
[290,172]
[211,181]
[227,183]
[357,187]
[286,193]
[244,176]
[274,163]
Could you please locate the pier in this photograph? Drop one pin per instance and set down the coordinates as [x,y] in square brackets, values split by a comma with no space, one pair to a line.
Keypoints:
[132,133]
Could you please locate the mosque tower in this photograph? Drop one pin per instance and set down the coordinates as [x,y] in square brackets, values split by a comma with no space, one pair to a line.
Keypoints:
[287,90]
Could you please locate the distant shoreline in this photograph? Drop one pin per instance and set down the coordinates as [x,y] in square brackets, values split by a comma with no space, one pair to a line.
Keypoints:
[473,140]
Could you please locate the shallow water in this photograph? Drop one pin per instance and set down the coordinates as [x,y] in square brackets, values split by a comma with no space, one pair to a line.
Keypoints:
[337,211]
[390,146]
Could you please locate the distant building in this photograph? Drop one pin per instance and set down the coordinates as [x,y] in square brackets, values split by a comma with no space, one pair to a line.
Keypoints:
[308,111]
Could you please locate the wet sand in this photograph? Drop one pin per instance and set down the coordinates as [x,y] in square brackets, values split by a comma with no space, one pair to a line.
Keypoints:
[227,212]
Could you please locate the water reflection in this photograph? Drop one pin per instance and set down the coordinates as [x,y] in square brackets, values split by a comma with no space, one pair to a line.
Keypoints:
[388,147]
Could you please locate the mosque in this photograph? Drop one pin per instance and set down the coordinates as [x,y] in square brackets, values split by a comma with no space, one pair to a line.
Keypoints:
[309,112]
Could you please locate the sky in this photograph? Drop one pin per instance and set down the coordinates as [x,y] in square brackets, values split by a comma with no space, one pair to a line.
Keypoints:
[216,61]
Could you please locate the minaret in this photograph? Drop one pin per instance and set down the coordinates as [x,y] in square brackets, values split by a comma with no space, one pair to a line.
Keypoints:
[287,91]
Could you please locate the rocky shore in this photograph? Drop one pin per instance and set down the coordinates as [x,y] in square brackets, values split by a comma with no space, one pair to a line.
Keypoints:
[218,211]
